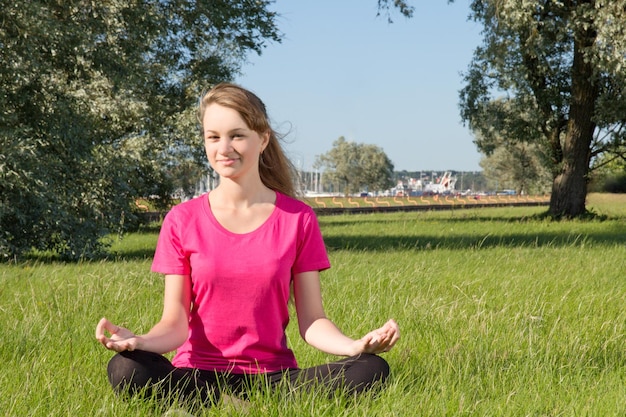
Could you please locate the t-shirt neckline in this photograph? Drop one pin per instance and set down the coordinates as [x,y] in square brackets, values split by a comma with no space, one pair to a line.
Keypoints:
[207,208]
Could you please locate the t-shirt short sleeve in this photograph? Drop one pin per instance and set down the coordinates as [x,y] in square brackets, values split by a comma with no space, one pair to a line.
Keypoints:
[170,256]
[311,251]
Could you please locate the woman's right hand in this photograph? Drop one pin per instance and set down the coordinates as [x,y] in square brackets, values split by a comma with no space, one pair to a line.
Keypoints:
[120,338]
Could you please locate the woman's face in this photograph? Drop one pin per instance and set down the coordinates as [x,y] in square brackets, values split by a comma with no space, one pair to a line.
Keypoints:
[232,148]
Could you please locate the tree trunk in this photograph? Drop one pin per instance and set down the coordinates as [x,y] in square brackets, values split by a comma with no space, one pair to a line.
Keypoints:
[569,189]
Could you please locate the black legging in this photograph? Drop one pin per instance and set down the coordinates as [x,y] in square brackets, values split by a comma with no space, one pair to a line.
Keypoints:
[152,374]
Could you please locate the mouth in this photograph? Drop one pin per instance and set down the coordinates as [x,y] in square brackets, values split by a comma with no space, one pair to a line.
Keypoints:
[227,161]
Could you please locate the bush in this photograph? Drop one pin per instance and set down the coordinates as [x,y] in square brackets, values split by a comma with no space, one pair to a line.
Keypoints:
[611,183]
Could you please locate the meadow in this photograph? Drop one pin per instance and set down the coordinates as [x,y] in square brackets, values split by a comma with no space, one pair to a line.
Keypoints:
[502,313]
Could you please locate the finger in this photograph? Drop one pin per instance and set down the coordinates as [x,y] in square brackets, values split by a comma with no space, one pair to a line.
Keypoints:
[393,340]
[368,343]
[392,325]
[393,329]
[117,345]
[110,327]
[111,345]
[384,344]
[388,337]
[105,325]
[369,339]
[100,327]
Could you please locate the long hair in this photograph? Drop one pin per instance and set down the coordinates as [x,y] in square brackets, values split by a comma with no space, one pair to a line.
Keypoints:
[276,170]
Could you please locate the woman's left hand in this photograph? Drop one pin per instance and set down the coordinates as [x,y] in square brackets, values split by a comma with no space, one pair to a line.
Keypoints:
[380,340]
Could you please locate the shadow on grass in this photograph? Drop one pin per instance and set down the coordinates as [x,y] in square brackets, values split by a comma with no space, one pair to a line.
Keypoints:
[148,229]
[414,241]
[111,256]
[130,255]
[376,242]
[463,242]
[418,240]
[460,218]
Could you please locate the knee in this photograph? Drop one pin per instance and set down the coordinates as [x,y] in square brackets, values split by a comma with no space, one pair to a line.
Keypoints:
[130,371]
[368,372]
[121,370]
[377,366]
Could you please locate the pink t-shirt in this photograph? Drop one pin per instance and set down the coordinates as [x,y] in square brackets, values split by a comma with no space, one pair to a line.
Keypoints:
[240,282]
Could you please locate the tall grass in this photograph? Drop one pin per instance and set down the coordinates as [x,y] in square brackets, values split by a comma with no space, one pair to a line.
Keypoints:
[502,314]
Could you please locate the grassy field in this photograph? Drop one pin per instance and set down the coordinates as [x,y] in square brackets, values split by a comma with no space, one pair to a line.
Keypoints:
[502,314]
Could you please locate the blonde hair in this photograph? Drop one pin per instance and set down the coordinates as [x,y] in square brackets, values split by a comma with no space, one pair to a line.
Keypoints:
[276,170]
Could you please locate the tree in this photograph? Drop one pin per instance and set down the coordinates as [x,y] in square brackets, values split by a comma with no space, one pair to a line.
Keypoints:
[559,69]
[384,7]
[517,167]
[98,103]
[354,167]
[92,94]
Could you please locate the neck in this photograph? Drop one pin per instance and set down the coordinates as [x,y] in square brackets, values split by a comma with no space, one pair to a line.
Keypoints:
[234,194]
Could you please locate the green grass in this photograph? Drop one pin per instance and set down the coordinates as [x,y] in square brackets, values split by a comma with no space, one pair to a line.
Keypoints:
[502,314]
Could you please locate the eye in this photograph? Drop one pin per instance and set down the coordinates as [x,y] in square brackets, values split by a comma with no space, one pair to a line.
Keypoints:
[212,138]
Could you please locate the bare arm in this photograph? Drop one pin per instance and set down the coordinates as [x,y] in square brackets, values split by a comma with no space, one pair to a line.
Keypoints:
[321,333]
[168,334]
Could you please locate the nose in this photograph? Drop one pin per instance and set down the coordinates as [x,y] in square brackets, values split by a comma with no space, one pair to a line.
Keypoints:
[224,146]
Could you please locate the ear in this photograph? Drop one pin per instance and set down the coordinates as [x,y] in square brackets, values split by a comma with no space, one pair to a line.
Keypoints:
[265,140]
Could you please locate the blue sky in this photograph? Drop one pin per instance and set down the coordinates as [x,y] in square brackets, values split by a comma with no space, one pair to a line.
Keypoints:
[342,71]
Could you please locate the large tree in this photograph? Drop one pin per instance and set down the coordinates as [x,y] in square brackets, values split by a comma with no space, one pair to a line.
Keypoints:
[92,94]
[551,73]
[353,167]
